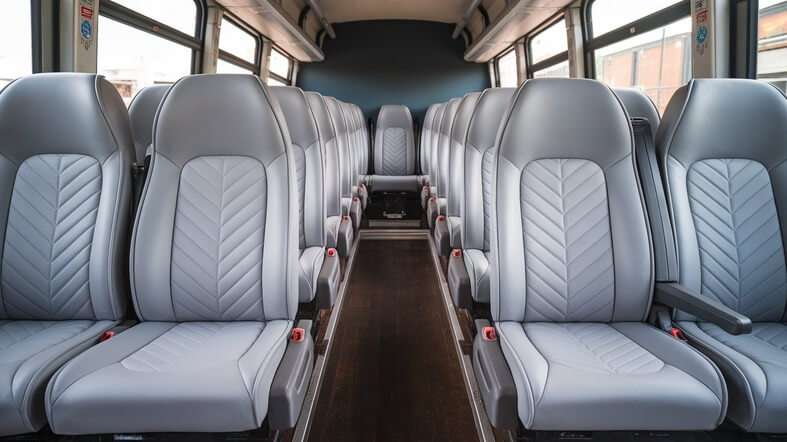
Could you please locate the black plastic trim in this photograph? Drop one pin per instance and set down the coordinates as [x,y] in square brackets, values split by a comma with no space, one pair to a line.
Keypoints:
[679,297]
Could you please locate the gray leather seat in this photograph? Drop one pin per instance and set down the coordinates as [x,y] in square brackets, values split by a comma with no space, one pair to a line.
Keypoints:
[65,156]
[351,205]
[364,156]
[639,105]
[456,168]
[440,160]
[331,171]
[394,151]
[438,119]
[214,273]
[142,112]
[425,152]
[723,147]
[572,274]
[309,162]
[476,210]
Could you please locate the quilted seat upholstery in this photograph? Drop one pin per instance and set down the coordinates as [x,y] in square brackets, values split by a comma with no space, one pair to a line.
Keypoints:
[394,151]
[64,196]
[726,180]
[214,271]
[572,273]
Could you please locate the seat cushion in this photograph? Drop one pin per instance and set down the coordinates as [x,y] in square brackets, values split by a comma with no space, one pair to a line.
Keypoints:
[30,351]
[310,264]
[477,263]
[170,377]
[755,367]
[619,376]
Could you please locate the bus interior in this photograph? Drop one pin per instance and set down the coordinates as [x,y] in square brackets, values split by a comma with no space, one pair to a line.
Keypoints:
[393,220]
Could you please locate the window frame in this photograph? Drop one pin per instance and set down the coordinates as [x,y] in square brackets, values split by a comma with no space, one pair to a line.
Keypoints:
[271,74]
[496,64]
[648,23]
[139,21]
[558,58]
[234,59]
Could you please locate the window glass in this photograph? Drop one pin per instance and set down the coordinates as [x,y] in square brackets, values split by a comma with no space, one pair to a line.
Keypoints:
[558,70]
[237,41]
[225,67]
[16,53]
[279,64]
[608,15]
[274,82]
[551,41]
[657,62]
[772,43]
[506,68]
[178,14]
[132,59]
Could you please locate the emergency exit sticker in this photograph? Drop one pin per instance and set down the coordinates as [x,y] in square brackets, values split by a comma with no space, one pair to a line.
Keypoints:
[86,12]
[702,16]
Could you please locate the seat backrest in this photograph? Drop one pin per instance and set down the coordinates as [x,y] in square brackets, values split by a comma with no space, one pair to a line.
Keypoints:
[723,148]
[331,174]
[364,132]
[456,160]
[568,210]
[216,234]
[66,151]
[639,105]
[424,154]
[142,111]
[308,154]
[340,128]
[433,158]
[479,156]
[394,145]
[352,142]
[444,146]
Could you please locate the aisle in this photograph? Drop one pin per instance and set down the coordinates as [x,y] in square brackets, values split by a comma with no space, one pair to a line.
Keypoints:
[393,373]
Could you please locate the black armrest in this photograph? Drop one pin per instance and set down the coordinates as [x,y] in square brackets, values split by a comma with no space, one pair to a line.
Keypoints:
[679,297]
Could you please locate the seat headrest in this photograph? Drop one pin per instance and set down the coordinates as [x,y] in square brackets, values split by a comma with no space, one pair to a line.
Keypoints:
[321,116]
[463,115]
[142,112]
[639,105]
[449,114]
[300,122]
[566,118]
[394,115]
[725,118]
[335,109]
[490,109]
[219,114]
[63,113]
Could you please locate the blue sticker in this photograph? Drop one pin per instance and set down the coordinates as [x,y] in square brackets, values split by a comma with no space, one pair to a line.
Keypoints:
[87,30]
[702,34]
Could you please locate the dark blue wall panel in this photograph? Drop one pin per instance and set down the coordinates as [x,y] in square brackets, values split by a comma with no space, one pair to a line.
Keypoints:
[372,63]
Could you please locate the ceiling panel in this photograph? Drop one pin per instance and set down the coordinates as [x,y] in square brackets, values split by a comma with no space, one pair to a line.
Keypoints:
[447,11]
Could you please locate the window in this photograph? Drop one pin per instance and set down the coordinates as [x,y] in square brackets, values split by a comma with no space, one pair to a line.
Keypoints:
[16,59]
[608,15]
[237,49]
[772,43]
[181,15]
[506,70]
[548,51]
[279,67]
[274,82]
[132,59]
[653,56]
[146,42]
[225,67]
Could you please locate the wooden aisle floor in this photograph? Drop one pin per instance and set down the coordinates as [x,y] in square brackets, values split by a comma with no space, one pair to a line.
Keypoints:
[393,373]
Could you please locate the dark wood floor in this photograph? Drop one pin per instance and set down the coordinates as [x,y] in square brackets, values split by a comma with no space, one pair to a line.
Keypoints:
[393,373]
